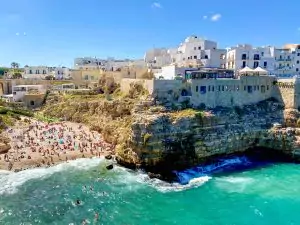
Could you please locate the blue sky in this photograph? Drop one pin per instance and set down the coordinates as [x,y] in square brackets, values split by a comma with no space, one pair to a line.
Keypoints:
[54,32]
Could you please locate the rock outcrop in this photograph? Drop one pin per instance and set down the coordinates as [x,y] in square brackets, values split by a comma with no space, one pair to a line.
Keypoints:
[165,141]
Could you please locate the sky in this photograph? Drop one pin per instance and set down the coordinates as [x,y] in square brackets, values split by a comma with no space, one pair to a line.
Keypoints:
[54,32]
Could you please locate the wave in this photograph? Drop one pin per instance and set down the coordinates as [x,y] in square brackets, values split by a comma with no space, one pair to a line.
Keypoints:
[10,181]
[139,178]
[132,180]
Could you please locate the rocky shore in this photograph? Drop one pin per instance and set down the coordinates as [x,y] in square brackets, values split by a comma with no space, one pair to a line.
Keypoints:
[167,141]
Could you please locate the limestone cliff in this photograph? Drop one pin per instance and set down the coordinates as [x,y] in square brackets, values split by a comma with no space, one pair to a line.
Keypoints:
[160,139]
[176,140]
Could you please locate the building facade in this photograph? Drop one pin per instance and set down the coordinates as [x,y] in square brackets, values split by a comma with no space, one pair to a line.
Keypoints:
[193,52]
[109,64]
[245,55]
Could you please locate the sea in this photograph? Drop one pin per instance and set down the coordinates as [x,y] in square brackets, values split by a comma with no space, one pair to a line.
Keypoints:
[263,195]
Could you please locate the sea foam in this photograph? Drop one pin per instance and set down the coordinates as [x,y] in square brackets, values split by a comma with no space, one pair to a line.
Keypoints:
[10,181]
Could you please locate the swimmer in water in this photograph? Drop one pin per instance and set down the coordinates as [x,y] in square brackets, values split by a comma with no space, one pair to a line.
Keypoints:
[96,216]
[78,202]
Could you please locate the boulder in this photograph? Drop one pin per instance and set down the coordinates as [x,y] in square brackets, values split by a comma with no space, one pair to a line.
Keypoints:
[153,175]
[4,148]
[110,167]
[108,157]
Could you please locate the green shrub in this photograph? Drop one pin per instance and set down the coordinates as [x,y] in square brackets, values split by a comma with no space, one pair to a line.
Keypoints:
[3,110]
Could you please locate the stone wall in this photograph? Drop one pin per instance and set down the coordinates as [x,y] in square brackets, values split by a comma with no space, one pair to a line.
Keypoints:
[231,92]
[126,84]
[284,91]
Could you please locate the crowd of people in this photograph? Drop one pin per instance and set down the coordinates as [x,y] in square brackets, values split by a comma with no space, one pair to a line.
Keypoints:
[46,144]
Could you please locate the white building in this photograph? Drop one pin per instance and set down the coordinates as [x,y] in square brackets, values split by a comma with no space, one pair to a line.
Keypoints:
[109,64]
[157,58]
[245,55]
[172,71]
[62,73]
[295,50]
[194,51]
[35,72]
[284,62]
[19,91]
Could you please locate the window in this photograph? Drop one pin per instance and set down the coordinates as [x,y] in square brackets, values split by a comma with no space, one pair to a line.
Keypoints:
[202,89]
[265,64]
[199,47]
[206,57]
[249,89]
[183,59]
[188,57]
[297,69]
[255,64]
[92,77]
[289,57]
[287,65]
[86,77]
[262,89]
[238,88]
[254,88]
[195,48]
[222,87]
[244,64]
[262,53]
[256,57]
[298,54]
[297,61]
[245,88]
[244,56]
[219,88]
[258,87]
[279,65]
[37,72]
[32,103]
[213,88]
[280,57]
[30,71]
[197,88]
[267,87]
[195,57]
[208,87]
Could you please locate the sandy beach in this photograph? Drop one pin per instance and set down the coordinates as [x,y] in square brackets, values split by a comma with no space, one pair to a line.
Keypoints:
[38,144]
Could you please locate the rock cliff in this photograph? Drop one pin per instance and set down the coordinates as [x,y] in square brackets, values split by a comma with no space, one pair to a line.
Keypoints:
[160,139]
[166,141]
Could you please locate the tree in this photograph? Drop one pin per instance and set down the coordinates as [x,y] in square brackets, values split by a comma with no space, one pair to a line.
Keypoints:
[17,75]
[15,65]
[3,71]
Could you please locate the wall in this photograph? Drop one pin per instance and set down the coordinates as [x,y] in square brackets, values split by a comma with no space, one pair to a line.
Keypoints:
[125,84]
[284,91]
[231,92]
[33,100]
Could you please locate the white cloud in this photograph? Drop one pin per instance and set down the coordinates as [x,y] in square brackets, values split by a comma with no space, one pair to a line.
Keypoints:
[17,34]
[204,17]
[298,29]
[24,33]
[215,17]
[156,5]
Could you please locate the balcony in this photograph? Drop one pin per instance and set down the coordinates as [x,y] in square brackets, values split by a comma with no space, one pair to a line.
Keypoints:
[245,58]
[256,58]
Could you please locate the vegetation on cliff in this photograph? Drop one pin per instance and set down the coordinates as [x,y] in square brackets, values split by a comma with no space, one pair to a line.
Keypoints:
[107,111]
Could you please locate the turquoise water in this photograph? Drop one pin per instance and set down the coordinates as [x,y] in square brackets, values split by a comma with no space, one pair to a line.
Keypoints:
[269,195]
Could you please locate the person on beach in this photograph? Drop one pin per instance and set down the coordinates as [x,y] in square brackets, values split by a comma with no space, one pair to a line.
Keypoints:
[47,142]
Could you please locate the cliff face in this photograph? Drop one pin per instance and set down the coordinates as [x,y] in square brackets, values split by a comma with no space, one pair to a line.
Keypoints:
[167,141]
[161,140]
